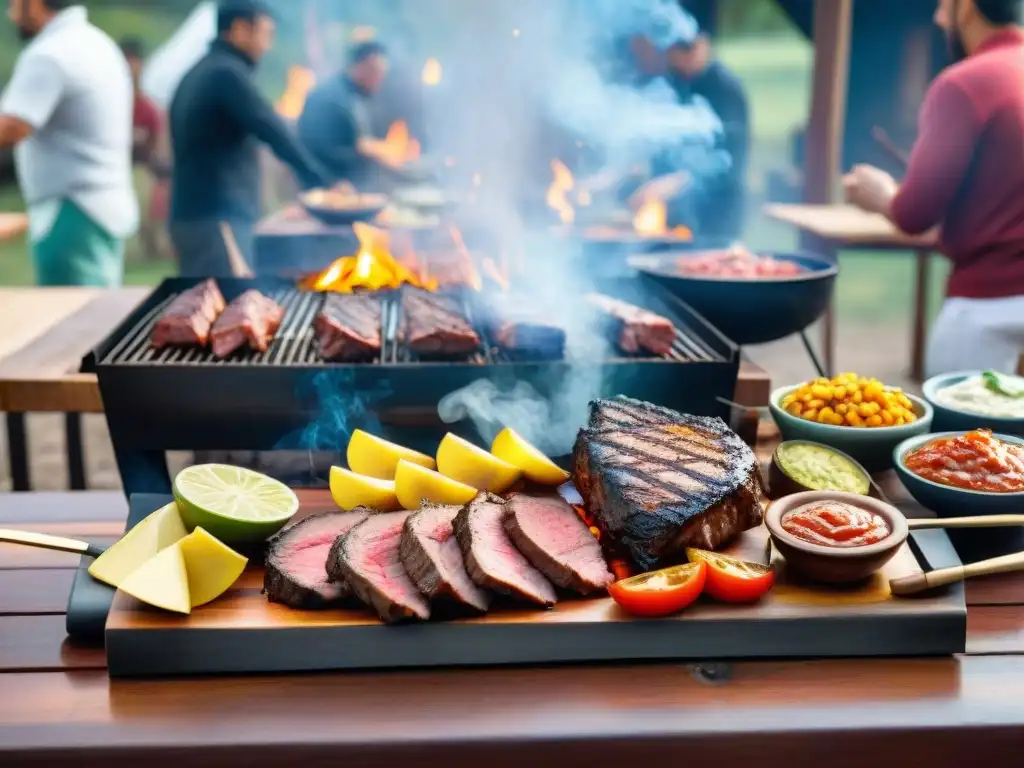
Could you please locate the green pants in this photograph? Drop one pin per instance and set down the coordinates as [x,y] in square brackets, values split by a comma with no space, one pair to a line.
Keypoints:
[78,251]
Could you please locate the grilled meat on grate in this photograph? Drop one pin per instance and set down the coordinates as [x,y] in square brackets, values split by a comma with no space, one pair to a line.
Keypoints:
[348,328]
[634,329]
[491,558]
[252,319]
[656,481]
[557,542]
[433,326]
[369,561]
[431,556]
[188,318]
[295,573]
[521,331]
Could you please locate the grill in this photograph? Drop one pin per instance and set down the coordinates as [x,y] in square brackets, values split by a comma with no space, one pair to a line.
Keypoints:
[290,398]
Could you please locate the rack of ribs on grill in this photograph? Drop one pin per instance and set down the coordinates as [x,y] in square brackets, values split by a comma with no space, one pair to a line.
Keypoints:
[434,326]
[521,331]
[656,481]
[250,320]
[188,318]
[348,328]
[632,328]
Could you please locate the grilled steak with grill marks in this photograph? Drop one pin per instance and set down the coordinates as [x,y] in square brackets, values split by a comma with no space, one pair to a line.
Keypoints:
[433,560]
[557,542]
[296,557]
[491,558]
[369,561]
[634,329]
[656,481]
[188,318]
[252,319]
[348,328]
[433,326]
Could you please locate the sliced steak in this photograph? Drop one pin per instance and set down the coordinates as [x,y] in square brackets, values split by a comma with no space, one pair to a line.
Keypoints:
[188,318]
[369,562]
[557,542]
[491,558]
[297,555]
[250,320]
[433,326]
[433,560]
[655,481]
[634,329]
[348,328]
[521,331]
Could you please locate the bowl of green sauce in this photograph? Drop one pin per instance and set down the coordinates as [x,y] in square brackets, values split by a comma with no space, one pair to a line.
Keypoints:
[802,465]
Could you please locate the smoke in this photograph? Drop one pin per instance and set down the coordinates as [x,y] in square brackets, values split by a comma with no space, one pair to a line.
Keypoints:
[341,405]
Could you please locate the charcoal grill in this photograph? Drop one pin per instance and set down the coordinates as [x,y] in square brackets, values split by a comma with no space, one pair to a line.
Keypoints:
[289,398]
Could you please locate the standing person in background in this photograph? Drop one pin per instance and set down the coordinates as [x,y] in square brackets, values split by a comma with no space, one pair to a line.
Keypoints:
[335,122]
[966,175]
[148,140]
[693,71]
[68,112]
[218,119]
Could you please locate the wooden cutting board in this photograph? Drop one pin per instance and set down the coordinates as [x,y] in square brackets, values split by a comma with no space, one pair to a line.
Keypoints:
[243,632]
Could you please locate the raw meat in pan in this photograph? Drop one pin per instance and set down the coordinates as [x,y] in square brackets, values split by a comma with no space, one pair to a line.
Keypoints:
[432,558]
[492,559]
[296,558]
[348,328]
[369,561]
[188,318]
[252,319]
[557,542]
[633,328]
[655,481]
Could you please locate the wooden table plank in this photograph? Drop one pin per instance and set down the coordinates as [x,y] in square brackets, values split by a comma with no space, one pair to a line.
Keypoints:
[995,629]
[28,313]
[30,591]
[39,643]
[62,507]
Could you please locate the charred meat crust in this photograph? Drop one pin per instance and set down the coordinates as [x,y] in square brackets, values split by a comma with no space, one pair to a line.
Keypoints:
[348,328]
[250,320]
[433,326]
[189,317]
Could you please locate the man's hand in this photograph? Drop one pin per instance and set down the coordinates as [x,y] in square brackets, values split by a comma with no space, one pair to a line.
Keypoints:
[660,188]
[379,151]
[870,188]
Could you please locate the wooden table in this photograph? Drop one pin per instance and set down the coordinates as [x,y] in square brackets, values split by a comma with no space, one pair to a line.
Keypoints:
[44,334]
[58,707]
[832,228]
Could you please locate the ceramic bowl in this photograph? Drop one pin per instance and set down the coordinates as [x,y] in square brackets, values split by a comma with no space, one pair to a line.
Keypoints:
[945,500]
[835,565]
[871,447]
[782,484]
[954,420]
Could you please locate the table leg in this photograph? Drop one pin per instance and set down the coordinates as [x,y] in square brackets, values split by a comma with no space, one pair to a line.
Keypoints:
[919,331]
[17,444]
[828,330]
[75,453]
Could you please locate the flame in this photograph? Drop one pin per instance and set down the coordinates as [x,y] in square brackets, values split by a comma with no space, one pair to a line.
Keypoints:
[399,146]
[372,267]
[651,220]
[557,198]
[300,82]
[470,273]
[431,72]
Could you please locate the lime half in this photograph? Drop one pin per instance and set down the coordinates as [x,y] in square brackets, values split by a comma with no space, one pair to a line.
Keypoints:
[236,505]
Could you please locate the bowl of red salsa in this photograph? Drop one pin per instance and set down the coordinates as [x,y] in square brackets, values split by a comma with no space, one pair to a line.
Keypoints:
[963,473]
[833,537]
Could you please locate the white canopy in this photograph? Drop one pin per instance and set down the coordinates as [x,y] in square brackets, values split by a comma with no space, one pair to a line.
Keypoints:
[179,54]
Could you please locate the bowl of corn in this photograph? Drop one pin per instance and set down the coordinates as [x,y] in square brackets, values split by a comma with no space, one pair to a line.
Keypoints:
[856,415]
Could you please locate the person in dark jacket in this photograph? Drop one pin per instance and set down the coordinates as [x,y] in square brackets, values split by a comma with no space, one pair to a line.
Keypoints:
[693,72]
[218,119]
[335,122]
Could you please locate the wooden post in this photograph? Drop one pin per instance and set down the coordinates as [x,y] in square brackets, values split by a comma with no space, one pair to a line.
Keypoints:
[823,146]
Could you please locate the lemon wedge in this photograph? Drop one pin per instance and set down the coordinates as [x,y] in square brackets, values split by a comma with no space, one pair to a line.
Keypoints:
[211,565]
[375,457]
[462,461]
[415,484]
[509,446]
[350,490]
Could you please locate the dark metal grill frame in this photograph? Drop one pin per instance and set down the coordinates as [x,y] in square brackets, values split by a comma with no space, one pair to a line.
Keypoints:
[185,399]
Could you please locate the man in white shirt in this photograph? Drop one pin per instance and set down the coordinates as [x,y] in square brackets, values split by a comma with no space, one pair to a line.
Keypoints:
[68,112]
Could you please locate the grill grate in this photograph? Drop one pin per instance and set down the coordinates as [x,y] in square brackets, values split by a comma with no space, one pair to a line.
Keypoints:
[295,342]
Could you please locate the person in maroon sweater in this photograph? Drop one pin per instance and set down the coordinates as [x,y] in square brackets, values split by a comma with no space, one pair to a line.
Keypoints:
[966,177]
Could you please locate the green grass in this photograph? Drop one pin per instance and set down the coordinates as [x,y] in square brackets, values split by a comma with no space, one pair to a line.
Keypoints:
[874,287]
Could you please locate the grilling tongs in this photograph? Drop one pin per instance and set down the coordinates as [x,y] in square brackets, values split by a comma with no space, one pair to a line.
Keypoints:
[919,582]
[46,541]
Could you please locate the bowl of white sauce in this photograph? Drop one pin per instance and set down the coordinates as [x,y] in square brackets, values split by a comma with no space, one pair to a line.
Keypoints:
[964,401]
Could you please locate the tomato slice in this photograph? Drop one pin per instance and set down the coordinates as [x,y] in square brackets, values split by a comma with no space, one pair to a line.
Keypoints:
[730,580]
[660,593]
